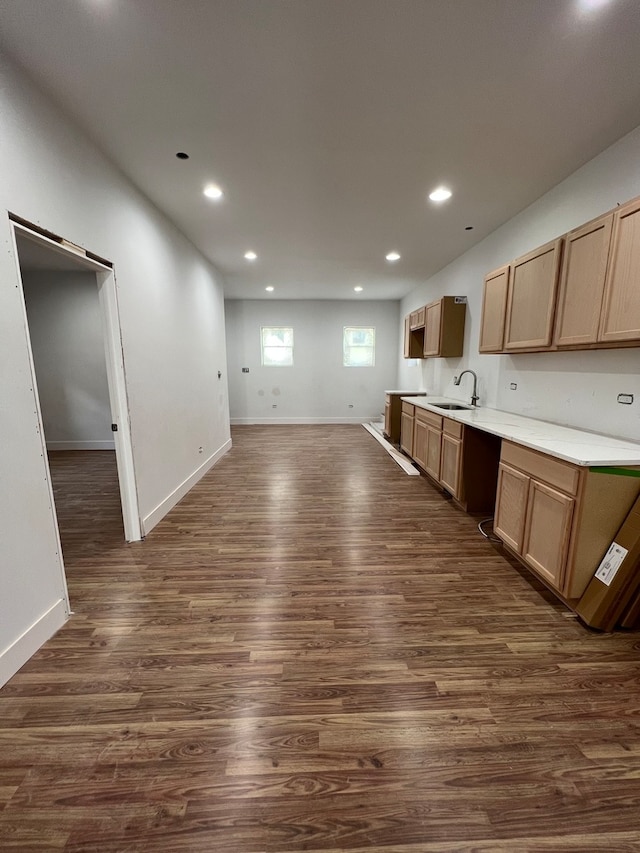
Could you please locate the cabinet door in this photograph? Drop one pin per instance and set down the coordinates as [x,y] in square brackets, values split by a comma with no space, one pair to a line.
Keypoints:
[432,462]
[494,310]
[420,442]
[432,329]
[582,280]
[531,299]
[450,464]
[621,309]
[416,319]
[406,433]
[407,337]
[511,506]
[548,528]
[387,418]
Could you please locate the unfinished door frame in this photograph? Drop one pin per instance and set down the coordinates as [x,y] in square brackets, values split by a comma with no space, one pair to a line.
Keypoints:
[112,339]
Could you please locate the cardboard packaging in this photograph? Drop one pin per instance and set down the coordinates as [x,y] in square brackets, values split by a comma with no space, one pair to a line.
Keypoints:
[617,580]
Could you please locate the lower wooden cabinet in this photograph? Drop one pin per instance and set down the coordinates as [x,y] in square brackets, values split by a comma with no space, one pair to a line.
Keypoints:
[393,412]
[559,518]
[451,464]
[419,442]
[427,437]
[548,527]
[511,506]
[434,452]
[461,459]
[406,428]
[388,425]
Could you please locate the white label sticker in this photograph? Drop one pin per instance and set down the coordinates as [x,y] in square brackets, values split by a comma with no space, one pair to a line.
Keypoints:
[611,562]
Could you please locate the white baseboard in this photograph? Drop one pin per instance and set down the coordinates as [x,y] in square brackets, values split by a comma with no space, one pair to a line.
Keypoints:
[397,457]
[150,520]
[19,652]
[81,445]
[251,421]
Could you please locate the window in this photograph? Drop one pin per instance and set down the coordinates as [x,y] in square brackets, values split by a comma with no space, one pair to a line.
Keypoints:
[277,346]
[359,346]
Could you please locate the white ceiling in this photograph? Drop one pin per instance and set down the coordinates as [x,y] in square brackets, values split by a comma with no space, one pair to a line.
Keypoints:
[327,122]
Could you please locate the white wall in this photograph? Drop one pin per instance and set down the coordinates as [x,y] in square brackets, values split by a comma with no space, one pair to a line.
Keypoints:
[318,388]
[574,388]
[65,327]
[172,317]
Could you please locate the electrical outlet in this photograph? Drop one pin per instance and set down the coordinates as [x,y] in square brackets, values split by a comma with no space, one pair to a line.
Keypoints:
[245,369]
[274,406]
[201,449]
[513,386]
[627,399]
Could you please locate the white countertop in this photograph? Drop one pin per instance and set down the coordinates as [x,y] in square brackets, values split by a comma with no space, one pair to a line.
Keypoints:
[573,445]
[407,393]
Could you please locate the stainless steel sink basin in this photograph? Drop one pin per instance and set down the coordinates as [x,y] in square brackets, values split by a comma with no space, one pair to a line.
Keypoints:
[450,406]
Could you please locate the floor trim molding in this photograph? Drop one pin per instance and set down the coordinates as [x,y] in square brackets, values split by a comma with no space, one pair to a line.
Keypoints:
[149,521]
[266,421]
[81,445]
[28,643]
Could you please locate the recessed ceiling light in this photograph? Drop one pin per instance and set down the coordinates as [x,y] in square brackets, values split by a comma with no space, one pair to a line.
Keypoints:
[250,256]
[181,155]
[591,5]
[393,257]
[358,289]
[468,228]
[213,191]
[270,289]
[440,194]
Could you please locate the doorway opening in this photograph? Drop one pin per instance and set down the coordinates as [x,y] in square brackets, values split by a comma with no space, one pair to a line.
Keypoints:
[77,366]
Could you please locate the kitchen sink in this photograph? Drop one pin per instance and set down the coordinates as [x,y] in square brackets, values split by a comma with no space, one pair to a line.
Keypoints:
[450,406]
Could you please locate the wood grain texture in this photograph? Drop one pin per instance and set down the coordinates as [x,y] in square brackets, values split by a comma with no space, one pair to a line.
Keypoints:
[312,652]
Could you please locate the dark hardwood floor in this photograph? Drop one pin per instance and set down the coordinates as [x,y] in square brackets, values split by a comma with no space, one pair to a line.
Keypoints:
[312,652]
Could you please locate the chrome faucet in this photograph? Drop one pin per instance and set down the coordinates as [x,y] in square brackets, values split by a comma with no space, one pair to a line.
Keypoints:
[474,396]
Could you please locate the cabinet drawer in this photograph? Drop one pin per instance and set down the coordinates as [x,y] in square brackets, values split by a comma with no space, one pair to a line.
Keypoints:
[429,418]
[408,409]
[554,471]
[451,427]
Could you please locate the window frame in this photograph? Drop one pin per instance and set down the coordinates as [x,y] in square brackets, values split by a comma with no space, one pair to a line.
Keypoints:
[348,346]
[264,346]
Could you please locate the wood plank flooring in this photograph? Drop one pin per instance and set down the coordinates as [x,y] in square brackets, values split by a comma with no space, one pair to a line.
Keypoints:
[312,652]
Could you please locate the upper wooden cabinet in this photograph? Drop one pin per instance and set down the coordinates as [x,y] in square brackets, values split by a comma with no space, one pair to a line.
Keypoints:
[413,339]
[531,298]
[582,283]
[587,279]
[407,337]
[416,319]
[437,330]
[620,320]
[444,327]
[494,310]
